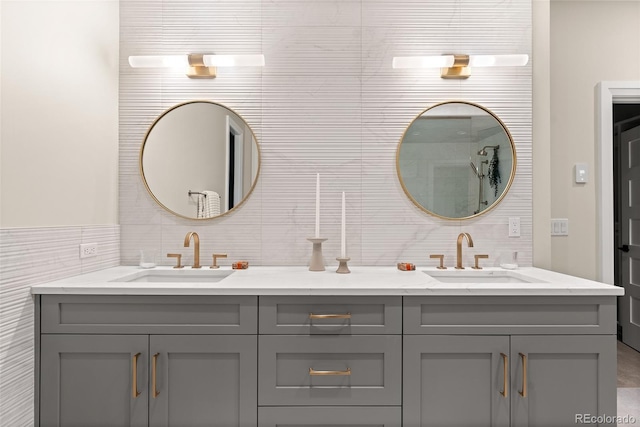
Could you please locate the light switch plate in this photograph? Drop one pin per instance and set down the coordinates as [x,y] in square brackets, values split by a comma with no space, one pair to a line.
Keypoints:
[582,173]
[559,227]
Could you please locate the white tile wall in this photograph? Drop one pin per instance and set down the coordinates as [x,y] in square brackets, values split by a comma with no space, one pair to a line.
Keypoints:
[326,102]
[29,256]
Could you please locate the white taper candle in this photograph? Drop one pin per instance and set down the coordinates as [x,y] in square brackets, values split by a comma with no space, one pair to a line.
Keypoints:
[343,241]
[317,205]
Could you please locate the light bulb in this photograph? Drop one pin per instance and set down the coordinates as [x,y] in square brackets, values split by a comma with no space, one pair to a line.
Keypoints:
[498,60]
[233,60]
[159,61]
[423,61]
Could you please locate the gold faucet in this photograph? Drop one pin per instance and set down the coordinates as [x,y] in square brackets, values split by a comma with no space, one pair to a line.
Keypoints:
[461,237]
[196,247]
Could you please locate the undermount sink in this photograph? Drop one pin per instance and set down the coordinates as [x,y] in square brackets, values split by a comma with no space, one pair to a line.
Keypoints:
[177,276]
[481,276]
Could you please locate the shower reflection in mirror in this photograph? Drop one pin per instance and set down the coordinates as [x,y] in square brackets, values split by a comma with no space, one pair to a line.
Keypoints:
[487,169]
[456,160]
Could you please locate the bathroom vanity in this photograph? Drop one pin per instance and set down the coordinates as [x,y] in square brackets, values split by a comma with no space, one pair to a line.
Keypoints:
[274,346]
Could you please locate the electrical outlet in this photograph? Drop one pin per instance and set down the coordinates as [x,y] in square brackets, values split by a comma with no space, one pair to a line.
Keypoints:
[514,226]
[88,250]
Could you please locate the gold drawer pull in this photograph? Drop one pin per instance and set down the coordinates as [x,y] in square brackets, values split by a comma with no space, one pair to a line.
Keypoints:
[523,393]
[505,384]
[134,386]
[154,369]
[314,373]
[330,316]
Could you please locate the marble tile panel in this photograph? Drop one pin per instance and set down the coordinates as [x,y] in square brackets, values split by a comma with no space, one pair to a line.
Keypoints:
[137,237]
[285,245]
[136,204]
[302,13]
[321,52]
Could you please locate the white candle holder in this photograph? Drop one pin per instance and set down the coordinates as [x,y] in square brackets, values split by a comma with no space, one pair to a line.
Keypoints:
[317,263]
[343,268]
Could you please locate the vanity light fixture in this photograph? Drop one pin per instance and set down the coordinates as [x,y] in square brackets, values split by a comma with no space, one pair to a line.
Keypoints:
[459,66]
[198,65]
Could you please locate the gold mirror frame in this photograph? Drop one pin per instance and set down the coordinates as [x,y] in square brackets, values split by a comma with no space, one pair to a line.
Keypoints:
[511,174]
[144,144]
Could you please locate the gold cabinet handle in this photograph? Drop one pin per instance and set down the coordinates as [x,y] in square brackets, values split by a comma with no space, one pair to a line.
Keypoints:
[523,393]
[134,386]
[505,384]
[154,366]
[315,373]
[330,316]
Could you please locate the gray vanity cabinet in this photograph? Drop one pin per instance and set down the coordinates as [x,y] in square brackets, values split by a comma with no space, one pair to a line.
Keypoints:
[461,355]
[330,361]
[248,361]
[460,380]
[566,376]
[455,381]
[202,380]
[180,380]
[330,370]
[88,380]
[119,361]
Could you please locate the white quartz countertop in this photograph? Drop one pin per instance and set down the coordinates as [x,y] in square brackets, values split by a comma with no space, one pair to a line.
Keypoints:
[361,281]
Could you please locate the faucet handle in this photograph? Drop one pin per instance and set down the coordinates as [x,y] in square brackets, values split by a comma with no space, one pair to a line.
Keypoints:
[478,257]
[179,257]
[441,266]
[215,260]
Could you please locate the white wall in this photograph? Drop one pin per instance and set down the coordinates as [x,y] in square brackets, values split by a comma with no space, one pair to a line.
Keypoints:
[59,111]
[58,154]
[591,41]
[541,10]
[326,102]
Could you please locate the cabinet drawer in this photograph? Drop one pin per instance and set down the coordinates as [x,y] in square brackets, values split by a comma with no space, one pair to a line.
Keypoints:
[330,370]
[389,416]
[330,315]
[510,315]
[135,314]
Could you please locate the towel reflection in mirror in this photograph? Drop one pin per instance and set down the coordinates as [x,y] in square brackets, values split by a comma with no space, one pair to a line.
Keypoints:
[208,204]
[203,146]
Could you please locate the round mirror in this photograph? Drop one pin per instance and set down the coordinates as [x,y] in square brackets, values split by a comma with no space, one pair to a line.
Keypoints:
[199,160]
[456,160]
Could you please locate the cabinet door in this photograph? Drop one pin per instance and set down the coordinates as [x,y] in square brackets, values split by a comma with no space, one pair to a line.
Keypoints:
[566,377]
[89,380]
[203,380]
[455,381]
